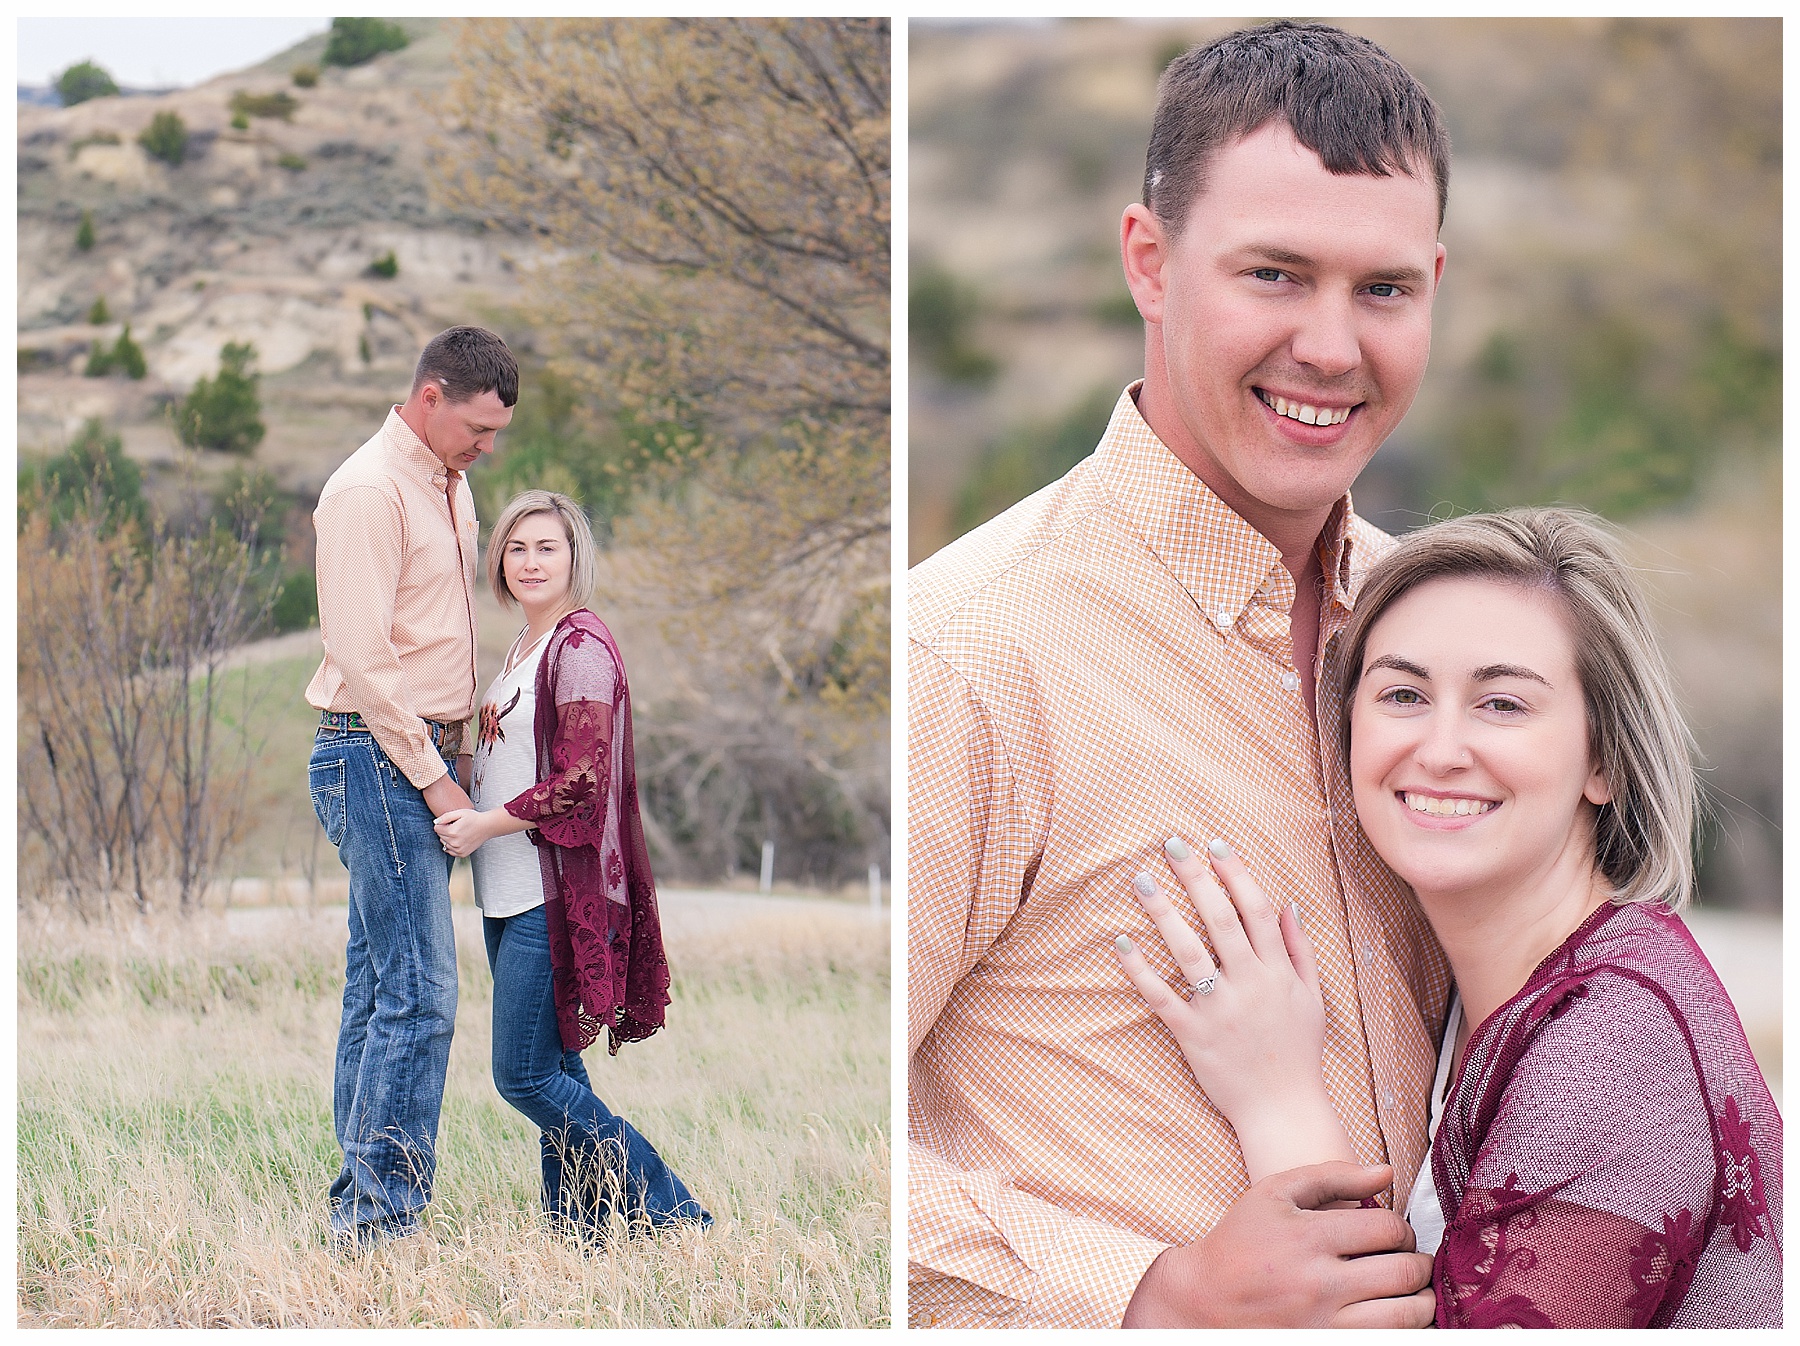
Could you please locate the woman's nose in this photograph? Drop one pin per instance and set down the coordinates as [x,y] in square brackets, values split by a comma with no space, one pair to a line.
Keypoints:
[1444,747]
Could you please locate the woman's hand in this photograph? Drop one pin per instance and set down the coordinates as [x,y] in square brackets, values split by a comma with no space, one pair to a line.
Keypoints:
[463,830]
[1253,1028]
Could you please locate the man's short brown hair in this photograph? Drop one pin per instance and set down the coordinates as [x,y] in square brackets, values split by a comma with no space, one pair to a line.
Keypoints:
[1346,99]
[467,362]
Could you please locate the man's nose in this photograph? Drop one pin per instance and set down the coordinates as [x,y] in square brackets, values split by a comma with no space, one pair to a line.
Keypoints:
[1327,339]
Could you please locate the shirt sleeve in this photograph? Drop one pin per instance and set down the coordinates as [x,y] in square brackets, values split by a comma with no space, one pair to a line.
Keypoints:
[569,804]
[978,1248]
[1591,1189]
[359,553]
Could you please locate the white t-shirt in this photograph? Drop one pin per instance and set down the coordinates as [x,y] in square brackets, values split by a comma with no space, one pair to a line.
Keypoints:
[1424,1212]
[508,879]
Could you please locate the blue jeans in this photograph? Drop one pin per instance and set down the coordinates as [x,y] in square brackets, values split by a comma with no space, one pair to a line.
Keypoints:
[594,1162]
[399,985]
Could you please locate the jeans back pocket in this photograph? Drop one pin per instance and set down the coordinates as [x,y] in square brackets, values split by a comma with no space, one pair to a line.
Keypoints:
[327,781]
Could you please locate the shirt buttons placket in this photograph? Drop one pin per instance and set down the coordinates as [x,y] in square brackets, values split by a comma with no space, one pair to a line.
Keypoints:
[1290,681]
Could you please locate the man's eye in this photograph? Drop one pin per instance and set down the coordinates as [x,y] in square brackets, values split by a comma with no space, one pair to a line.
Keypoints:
[1267,273]
[1385,291]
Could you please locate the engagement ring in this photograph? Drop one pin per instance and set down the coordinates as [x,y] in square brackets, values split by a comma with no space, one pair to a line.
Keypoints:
[1203,986]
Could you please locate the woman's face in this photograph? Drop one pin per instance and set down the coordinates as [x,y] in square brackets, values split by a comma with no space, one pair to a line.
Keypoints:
[1469,740]
[536,563]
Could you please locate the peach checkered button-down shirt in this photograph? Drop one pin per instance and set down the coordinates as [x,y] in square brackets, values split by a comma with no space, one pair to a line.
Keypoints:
[396,567]
[1106,664]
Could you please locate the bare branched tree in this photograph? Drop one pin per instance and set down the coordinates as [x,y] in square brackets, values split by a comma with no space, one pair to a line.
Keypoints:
[709,204]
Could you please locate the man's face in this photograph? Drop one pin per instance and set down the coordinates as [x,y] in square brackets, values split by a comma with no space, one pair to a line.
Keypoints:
[459,433]
[1294,317]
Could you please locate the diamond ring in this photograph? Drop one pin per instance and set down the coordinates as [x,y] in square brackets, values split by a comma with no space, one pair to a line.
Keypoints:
[1204,986]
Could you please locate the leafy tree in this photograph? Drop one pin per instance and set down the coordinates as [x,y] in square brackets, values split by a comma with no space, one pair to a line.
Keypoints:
[82,81]
[165,138]
[99,314]
[354,41]
[224,412]
[84,234]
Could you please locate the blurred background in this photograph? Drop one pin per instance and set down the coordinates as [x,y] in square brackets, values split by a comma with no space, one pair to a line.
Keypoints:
[227,268]
[1608,332]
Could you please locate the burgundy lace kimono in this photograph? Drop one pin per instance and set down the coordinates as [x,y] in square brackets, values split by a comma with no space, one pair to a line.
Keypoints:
[606,952]
[1609,1155]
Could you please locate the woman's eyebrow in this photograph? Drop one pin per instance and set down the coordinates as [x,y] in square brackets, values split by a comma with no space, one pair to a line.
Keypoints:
[1488,672]
[1394,661]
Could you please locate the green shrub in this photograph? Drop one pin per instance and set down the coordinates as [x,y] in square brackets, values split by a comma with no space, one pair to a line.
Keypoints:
[165,138]
[33,358]
[126,357]
[239,122]
[92,472]
[292,162]
[98,313]
[306,76]
[942,311]
[97,138]
[225,412]
[280,105]
[297,604]
[354,41]
[83,81]
[84,236]
[387,266]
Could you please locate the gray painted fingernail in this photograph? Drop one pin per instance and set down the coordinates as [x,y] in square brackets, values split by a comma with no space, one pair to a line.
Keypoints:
[1145,885]
[1123,944]
[1176,849]
[1219,849]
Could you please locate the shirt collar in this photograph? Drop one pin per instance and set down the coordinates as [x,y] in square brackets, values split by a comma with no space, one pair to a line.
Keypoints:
[411,455]
[1212,551]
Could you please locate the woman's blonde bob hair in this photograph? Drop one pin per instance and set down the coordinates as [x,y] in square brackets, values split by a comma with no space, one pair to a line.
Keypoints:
[1644,837]
[582,575]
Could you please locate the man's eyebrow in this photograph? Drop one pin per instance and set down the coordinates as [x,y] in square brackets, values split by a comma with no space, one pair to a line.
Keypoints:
[1397,275]
[1406,666]
[1488,672]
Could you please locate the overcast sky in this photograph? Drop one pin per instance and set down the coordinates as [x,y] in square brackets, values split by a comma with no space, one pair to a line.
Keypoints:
[154,53]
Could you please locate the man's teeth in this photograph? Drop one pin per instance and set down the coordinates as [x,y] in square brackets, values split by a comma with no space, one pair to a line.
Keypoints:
[1305,412]
[1448,808]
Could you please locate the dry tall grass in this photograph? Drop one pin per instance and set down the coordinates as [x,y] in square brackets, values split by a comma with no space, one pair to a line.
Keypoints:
[175,1135]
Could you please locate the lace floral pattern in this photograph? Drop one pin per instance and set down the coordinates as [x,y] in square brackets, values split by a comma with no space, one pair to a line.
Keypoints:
[1587,1176]
[606,954]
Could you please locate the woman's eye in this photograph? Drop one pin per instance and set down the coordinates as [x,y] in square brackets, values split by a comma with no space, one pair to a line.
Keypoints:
[1403,696]
[1505,705]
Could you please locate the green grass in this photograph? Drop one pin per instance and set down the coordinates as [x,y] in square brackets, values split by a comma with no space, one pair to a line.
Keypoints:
[175,1137]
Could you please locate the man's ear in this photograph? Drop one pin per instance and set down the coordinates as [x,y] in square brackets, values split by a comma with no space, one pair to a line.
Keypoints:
[1144,249]
[430,394]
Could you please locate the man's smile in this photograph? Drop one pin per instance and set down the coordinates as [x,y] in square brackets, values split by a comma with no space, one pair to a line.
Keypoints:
[1307,413]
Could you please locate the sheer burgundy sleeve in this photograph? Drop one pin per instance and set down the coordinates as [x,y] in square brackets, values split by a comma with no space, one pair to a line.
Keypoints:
[1587,1200]
[569,803]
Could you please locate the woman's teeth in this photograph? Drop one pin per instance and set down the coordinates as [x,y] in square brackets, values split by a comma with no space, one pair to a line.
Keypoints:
[1448,808]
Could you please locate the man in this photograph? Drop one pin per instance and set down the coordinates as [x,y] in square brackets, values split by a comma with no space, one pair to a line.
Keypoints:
[1137,653]
[396,564]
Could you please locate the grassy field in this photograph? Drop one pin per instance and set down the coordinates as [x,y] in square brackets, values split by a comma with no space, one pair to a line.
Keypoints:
[175,1139]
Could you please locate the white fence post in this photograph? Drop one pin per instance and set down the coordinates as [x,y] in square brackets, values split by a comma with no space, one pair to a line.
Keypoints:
[768,866]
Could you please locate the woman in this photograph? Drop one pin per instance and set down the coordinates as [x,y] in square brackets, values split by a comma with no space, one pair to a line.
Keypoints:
[1605,1151]
[562,876]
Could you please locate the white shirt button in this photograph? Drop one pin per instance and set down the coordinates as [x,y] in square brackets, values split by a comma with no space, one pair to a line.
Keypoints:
[1387,1098]
[1368,953]
[1290,681]
[1225,619]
